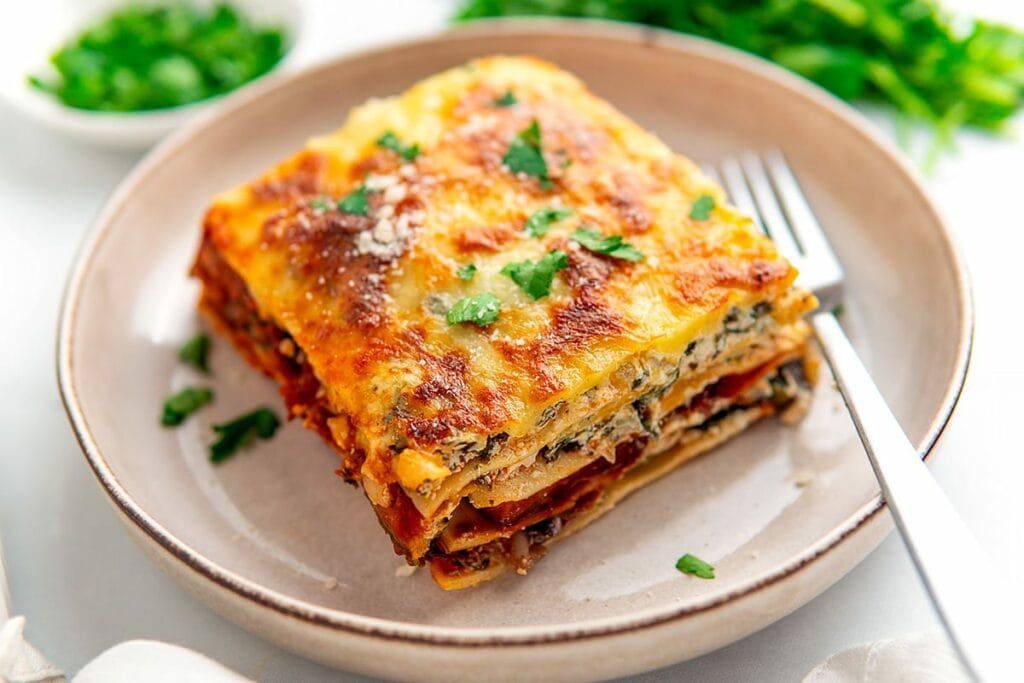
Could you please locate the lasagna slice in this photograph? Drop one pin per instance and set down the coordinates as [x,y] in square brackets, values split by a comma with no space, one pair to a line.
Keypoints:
[506,306]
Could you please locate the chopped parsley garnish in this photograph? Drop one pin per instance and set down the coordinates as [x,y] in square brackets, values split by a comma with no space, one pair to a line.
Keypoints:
[506,100]
[237,433]
[320,204]
[184,403]
[838,309]
[539,222]
[690,564]
[481,309]
[195,352]
[609,246]
[524,155]
[466,272]
[390,141]
[702,208]
[356,202]
[535,277]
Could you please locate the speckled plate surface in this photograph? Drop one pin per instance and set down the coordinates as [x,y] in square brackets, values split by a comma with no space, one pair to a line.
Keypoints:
[276,542]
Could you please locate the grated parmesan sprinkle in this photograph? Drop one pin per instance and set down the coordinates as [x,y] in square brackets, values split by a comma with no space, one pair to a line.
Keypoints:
[395,194]
[384,231]
[378,183]
[387,237]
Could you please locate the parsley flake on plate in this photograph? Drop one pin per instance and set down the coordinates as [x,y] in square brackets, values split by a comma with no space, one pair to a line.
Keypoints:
[613,245]
[539,222]
[466,272]
[524,155]
[235,434]
[195,352]
[702,207]
[356,202]
[184,403]
[480,309]
[506,100]
[691,564]
[535,277]
[390,141]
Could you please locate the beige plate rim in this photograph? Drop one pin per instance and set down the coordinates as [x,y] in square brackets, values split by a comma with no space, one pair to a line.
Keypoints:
[495,636]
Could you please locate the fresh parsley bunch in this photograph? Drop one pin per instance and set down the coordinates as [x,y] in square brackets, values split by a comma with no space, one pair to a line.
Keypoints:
[906,53]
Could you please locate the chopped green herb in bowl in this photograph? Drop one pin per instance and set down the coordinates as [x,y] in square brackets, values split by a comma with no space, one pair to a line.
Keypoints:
[128,72]
[143,57]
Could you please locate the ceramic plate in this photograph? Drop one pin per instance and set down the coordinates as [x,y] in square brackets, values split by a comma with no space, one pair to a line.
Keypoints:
[275,541]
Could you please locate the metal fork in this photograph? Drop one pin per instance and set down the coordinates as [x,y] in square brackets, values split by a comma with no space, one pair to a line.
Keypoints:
[977,608]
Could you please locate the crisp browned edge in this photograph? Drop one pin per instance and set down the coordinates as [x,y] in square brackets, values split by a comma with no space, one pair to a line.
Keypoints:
[391,630]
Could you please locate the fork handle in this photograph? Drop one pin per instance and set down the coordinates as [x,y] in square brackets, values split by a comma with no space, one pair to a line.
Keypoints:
[978,608]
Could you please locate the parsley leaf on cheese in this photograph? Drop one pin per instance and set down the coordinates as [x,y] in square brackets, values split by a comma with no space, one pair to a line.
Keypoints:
[539,222]
[320,204]
[702,207]
[535,277]
[506,100]
[390,141]
[612,246]
[356,202]
[481,309]
[524,155]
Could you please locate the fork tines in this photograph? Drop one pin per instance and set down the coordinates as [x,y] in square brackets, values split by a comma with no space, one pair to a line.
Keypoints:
[765,188]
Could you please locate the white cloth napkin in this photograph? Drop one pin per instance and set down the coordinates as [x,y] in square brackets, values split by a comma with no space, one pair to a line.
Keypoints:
[19,661]
[917,658]
[154,662]
[129,662]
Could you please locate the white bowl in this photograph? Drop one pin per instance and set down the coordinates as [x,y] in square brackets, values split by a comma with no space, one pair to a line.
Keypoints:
[31,32]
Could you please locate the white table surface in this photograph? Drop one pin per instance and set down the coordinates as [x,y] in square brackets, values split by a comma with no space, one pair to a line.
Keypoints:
[85,586]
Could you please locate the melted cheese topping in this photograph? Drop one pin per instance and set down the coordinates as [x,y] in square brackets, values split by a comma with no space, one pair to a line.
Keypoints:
[365,296]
